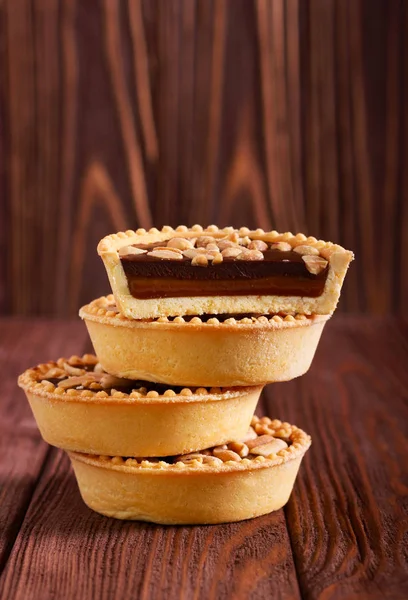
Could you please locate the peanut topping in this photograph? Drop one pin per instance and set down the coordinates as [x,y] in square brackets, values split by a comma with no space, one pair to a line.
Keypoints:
[168,254]
[166,249]
[56,378]
[204,240]
[266,450]
[200,261]
[259,440]
[231,252]
[217,259]
[240,448]
[258,245]
[103,379]
[201,458]
[193,252]
[271,447]
[74,371]
[315,264]
[224,454]
[126,250]
[251,255]
[180,243]
[282,246]
[223,244]
[71,382]
[306,250]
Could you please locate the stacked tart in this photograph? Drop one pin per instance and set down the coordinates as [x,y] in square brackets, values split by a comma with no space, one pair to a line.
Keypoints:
[160,424]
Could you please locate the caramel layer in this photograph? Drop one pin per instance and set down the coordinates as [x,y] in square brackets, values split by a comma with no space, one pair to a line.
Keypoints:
[279,274]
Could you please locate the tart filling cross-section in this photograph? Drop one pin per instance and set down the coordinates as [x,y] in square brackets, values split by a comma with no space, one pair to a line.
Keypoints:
[80,407]
[231,482]
[215,271]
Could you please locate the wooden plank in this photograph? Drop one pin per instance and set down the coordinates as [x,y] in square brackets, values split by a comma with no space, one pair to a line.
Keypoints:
[347,518]
[282,114]
[3,191]
[59,534]
[23,344]
[21,459]
[65,550]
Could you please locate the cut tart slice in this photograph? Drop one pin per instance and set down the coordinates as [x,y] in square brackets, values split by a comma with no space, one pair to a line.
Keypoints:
[79,407]
[234,482]
[182,271]
[205,351]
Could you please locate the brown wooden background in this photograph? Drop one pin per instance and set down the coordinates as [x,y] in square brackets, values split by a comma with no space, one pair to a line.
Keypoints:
[125,113]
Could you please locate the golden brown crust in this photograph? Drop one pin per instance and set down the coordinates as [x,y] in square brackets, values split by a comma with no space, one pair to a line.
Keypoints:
[114,241]
[140,423]
[35,380]
[193,493]
[338,261]
[298,443]
[234,352]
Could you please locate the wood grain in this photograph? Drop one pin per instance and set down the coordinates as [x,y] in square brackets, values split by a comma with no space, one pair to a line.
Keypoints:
[348,516]
[46,529]
[3,260]
[23,345]
[343,534]
[282,114]
[123,559]
[21,448]
[22,457]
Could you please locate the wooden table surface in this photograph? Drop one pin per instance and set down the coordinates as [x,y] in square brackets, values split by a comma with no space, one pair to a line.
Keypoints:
[343,534]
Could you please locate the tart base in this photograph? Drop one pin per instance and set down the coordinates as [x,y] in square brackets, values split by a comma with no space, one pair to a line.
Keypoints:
[184,498]
[193,493]
[123,425]
[161,428]
[213,353]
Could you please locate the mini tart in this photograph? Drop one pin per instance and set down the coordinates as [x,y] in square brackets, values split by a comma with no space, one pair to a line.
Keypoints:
[79,407]
[159,273]
[218,486]
[195,351]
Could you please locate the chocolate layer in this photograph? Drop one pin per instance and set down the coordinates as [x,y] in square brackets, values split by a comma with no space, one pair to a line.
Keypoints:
[279,274]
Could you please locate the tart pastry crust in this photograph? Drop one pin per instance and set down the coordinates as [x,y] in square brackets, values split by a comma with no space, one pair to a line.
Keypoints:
[316,254]
[142,422]
[216,352]
[195,490]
